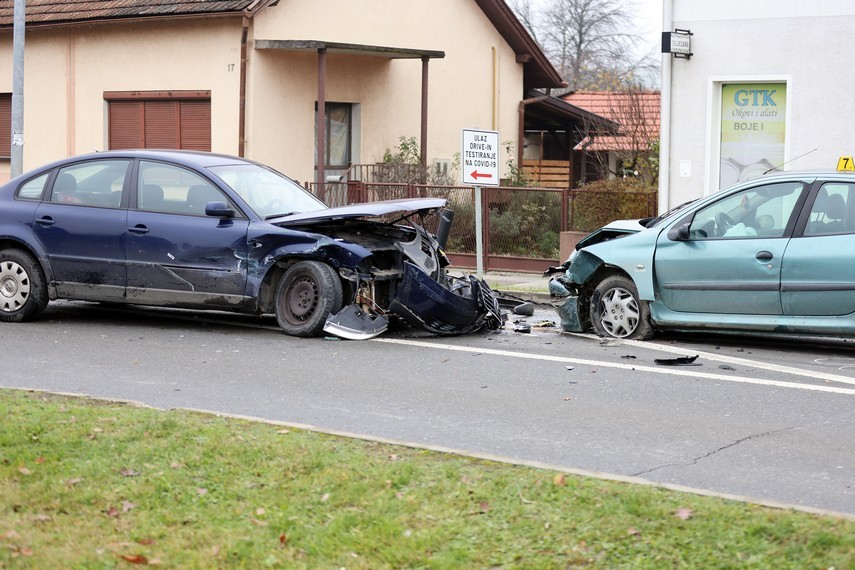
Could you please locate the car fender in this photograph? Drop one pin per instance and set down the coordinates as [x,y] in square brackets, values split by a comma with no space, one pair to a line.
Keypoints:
[633,254]
[34,248]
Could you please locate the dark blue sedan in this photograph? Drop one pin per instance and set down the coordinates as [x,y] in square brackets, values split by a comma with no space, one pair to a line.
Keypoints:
[208,231]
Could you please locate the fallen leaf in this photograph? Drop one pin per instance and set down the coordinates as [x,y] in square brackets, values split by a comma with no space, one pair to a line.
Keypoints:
[684,514]
[560,480]
[259,511]
[484,506]
[25,471]
[283,540]
[146,541]
[128,472]
[127,506]
[632,531]
[325,497]
[43,518]
[11,535]
[257,522]
[283,431]
[113,512]
[393,457]
[40,459]
[135,558]
[73,482]
[176,465]
[201,491]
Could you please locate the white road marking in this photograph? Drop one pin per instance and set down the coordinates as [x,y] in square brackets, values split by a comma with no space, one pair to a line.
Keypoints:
[678,371]
[734,360]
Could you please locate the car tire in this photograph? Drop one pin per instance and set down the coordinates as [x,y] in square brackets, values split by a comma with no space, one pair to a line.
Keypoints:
[616,311]
[308,293]
[23,287]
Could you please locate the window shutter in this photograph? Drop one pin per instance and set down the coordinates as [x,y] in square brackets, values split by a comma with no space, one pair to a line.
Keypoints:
[159,120]
[161,124]
[126,125]
[196,125]
[6,125]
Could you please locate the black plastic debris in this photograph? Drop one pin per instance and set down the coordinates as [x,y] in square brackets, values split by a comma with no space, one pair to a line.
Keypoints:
[726,367]
[681,361]
[628,357]
[525,309]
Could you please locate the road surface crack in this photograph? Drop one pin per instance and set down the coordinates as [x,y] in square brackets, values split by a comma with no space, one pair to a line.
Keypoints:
[700,458]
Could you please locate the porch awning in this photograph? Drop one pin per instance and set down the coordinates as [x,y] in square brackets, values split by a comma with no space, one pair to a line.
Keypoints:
[313,46]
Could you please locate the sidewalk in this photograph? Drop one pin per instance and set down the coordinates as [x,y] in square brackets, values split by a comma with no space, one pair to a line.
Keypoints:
[528,286]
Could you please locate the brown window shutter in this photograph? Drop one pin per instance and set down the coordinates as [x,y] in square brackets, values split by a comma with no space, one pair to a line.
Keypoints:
[196,125]
[126,125]
[161,124]
[5,125]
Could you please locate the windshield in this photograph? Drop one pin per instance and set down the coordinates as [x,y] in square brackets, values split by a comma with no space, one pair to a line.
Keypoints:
[660,218]
[267,192]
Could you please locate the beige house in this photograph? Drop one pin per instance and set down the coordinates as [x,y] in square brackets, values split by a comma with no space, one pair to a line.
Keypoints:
[254,77]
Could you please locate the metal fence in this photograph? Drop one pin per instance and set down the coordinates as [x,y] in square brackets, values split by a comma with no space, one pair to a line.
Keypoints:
[522,227]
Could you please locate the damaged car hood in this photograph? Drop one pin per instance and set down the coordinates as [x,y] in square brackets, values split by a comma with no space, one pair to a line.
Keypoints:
[359,211]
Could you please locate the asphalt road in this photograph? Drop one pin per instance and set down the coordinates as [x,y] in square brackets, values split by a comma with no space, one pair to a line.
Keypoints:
[771,421]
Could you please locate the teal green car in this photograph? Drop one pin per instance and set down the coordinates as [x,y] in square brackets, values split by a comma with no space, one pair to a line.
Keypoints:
[772,255]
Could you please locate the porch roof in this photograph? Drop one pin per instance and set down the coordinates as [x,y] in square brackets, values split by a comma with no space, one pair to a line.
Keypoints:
[314,46]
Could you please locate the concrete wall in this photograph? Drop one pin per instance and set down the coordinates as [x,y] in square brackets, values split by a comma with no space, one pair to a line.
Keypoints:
[803,44]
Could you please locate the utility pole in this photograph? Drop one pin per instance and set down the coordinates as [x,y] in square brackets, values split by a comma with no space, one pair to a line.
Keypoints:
[17,163]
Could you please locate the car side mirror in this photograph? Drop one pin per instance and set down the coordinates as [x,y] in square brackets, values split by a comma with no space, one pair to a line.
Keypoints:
[219,210]
[679,233]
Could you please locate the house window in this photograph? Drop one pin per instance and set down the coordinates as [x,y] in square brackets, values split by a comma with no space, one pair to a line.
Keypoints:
[169,119]
[339,132]
[5,125]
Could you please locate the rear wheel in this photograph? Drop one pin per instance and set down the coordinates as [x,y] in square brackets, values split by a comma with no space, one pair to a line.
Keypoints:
[616,310]
[23,287]
[308,293]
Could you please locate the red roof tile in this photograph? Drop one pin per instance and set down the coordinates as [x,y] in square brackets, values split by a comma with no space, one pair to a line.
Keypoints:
[637,114]
[42,12]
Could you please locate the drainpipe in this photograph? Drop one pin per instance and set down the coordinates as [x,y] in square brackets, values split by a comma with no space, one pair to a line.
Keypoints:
[242,116]
[665,116]
[521,134]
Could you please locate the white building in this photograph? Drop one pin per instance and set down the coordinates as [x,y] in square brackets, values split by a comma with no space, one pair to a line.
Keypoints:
[768,84]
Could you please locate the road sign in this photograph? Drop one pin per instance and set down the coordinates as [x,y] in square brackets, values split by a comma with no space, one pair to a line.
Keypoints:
[480,157]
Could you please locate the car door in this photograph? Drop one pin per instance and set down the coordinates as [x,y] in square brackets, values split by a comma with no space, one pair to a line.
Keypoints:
[82,224]
[177,255]
[818,276]
[730,262]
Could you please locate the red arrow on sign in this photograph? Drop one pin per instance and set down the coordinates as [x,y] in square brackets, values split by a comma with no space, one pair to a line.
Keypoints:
[476,175]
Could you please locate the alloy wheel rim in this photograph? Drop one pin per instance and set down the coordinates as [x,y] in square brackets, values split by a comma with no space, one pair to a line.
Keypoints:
[620,313]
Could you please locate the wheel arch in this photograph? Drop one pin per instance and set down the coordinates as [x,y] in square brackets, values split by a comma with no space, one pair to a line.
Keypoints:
[38,255]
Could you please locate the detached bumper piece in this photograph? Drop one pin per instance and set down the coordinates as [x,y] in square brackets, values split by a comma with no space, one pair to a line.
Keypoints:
[422,302]
[353,323]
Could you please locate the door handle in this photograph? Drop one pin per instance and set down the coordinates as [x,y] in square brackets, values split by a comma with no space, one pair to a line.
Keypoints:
[139,229]
[45,221]
[764,256]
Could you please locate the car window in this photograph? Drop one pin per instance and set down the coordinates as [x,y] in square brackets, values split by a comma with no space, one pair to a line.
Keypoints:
[172,189]
[761,211]
[832,210]
[91,183]
[33,189]
[267,192]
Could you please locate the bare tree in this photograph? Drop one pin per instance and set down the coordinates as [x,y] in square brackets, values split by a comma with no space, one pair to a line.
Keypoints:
[590,42]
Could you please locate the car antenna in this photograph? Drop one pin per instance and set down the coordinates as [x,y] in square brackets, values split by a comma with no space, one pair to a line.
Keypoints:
[788,162]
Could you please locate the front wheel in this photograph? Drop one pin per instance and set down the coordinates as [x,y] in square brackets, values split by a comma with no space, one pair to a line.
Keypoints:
[308,293]
[616,310]
[23,287]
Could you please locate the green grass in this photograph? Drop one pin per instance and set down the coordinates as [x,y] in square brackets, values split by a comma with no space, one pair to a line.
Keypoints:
[86,484]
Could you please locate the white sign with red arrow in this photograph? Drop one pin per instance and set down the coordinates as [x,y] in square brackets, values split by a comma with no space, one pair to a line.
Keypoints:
[480,157]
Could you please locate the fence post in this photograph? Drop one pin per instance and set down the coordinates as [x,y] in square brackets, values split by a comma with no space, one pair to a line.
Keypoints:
[565,208]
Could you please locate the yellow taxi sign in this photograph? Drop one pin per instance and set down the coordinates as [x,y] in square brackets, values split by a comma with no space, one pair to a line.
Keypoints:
[845,164]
